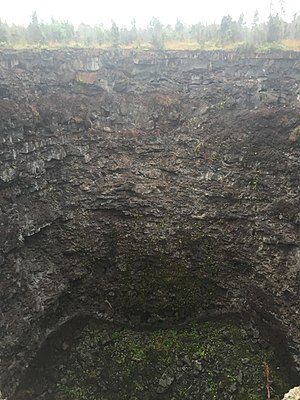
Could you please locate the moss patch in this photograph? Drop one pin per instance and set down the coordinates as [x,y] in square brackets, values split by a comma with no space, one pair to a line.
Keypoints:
[211,360]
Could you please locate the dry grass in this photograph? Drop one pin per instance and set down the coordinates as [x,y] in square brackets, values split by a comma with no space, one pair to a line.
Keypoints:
[290,44]
[295,134]
[168,45]
[182,45]
[194,45]
[267,374]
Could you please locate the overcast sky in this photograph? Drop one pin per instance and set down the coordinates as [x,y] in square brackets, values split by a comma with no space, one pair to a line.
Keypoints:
[123,11]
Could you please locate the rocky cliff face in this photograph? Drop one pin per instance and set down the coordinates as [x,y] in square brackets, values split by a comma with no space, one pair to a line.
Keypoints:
[147,189]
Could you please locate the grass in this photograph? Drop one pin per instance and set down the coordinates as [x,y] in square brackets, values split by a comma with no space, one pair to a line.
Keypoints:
[168,45]
[182,45]
[291,44]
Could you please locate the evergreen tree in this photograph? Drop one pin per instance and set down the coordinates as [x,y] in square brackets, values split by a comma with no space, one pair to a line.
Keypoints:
[274,29]
[34,32]
[198,33]
[17,35]
[133,31]
[3,32]
[85,34]
[114,34]
[157,34]
[226,31]
[255,19]
[179,30]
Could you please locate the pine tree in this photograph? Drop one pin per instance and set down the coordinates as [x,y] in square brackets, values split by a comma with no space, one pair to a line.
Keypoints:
[114,34]
[34,31]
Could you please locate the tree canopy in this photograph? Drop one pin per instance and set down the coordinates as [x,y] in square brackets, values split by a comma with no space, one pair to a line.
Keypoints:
[156,35]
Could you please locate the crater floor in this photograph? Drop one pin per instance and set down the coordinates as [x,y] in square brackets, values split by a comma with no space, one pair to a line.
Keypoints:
[217,359]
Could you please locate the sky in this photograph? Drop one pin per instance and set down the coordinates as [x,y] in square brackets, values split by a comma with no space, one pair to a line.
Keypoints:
[123,11]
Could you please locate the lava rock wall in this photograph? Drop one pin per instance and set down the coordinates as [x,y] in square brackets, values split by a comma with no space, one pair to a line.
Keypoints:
[147,188]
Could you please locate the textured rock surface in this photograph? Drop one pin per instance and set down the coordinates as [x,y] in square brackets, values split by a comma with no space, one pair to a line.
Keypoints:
[207,360]
[293,394]
[147,188]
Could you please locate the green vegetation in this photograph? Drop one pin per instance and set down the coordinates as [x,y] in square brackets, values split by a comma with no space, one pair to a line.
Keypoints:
[227,34]
[211,360]
[163,279]
[198,147]
[221,105]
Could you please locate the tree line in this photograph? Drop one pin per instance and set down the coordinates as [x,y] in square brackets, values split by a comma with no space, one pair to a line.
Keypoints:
[228,31]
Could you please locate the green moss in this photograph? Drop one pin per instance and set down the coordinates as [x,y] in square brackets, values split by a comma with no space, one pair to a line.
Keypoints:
[209,360]
[200,351]
[198,147]
[220,105]
[166,275]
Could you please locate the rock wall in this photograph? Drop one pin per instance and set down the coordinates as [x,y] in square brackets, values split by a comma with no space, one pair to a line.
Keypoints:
[147,188]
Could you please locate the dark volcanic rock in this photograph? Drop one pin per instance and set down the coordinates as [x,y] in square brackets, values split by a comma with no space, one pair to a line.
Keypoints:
[147,188]
[107,362]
